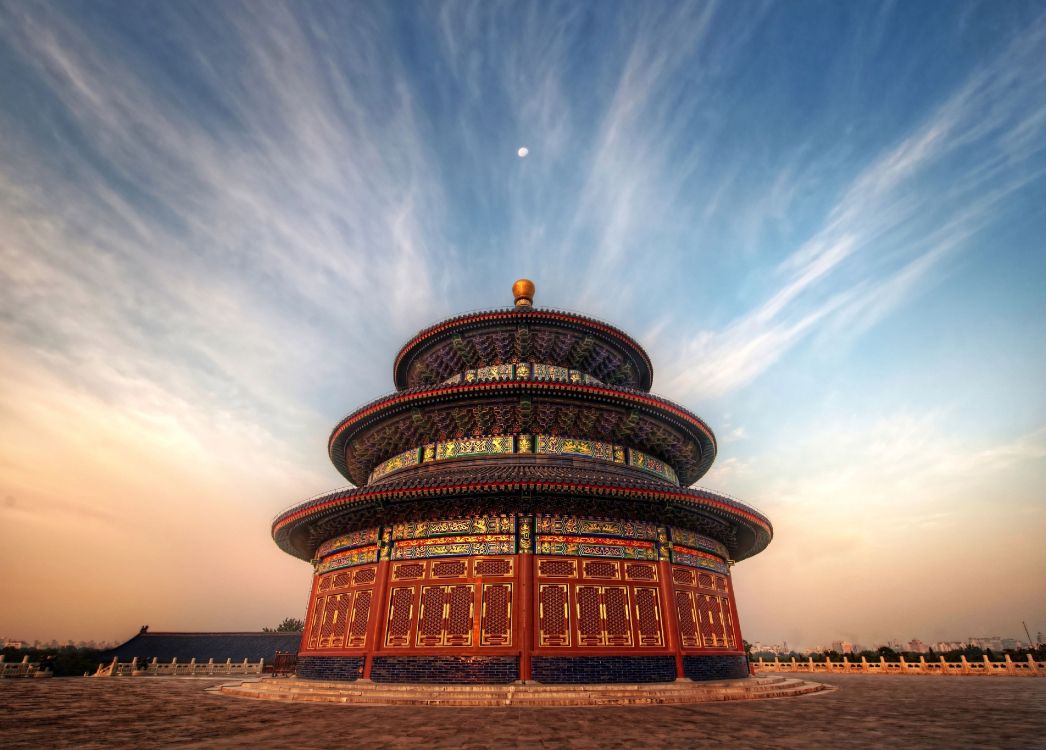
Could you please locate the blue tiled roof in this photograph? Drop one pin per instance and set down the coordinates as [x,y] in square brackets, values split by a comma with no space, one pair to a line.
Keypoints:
[204,646]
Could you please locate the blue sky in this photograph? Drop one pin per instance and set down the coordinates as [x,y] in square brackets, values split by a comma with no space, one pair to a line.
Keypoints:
[218,223]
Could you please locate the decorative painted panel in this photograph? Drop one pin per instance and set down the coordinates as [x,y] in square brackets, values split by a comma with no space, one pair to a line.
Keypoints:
[600,569]
[430,616]
[589,619]
[544,444]
[707,612]
[683,576]
[569,525]
[360,538]
[491,374]
[522,371]
[489,544]
[640,572]
[448,569]
[401,612]
[496,623]
[557,568]
[348,558]
[488,445]
[553,615]
[693,540]
[406,571]
[596,547]
[402,460]
[341,620]
[454,526]
[550,373]
[648,616]
[652,465]
[334,620]
[686,613]
[356,636]
[495,567]
[315,620]
[364,576]
[457,624]
[728,622]
[697,559]
[617,623]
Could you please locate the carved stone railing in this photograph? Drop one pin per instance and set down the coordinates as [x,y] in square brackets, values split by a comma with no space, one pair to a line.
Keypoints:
[1030,668]
[175,668]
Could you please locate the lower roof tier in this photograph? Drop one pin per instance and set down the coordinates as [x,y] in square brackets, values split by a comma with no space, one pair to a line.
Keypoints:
[524,488]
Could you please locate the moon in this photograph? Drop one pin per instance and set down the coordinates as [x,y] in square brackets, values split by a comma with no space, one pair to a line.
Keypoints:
[523,152]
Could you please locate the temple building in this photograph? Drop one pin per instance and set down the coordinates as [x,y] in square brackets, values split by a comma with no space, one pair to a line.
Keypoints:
[522,510]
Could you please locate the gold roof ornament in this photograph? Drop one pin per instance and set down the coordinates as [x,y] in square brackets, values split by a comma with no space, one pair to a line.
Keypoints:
[523,292]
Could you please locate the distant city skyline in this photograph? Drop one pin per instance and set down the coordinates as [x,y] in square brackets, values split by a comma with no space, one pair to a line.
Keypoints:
[825,222]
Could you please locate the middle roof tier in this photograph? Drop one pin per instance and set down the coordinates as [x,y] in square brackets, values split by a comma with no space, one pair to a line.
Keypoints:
[412,419]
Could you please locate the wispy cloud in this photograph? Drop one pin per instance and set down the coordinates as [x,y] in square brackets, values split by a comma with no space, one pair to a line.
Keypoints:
[897,219]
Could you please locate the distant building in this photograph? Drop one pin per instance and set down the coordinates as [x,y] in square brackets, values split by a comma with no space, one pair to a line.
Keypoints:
[992,642]
[917,646]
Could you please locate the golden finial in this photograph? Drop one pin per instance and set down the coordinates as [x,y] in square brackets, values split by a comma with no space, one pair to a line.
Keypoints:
[523,291]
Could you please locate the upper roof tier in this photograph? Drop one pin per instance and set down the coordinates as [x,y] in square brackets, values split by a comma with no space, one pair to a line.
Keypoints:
[523,334]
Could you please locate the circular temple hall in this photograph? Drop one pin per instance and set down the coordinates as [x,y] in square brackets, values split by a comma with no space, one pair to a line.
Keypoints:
[522,509]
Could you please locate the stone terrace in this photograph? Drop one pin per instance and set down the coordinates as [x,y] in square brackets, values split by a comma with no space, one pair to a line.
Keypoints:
[884,712]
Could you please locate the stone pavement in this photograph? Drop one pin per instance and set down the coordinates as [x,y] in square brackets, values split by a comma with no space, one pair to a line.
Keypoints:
[865,711]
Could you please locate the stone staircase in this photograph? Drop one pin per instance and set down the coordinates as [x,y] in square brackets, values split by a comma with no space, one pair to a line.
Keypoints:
[391,694]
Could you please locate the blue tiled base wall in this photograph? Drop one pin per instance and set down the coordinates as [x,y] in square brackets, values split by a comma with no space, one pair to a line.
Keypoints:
[582,669]
[456,669]
[715,667]
[330,667]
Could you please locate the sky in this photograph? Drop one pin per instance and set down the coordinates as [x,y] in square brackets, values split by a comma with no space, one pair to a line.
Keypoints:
[824,221]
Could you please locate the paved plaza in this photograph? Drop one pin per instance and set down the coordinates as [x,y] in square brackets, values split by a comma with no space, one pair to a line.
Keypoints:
[864,712]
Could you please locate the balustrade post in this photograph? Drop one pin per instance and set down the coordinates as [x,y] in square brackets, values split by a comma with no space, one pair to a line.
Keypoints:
[1032,664]
[864,664]
[882,664]
[134,665]
[945,667]
[846,664]
[793,664]
[988,670]
[904,666]
[1010,667]
[811,663]
[261,666]
[192,666]
[922,665]
[965,664]
[777,663]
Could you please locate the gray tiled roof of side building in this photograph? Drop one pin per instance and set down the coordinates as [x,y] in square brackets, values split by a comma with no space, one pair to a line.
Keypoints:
[204,646]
